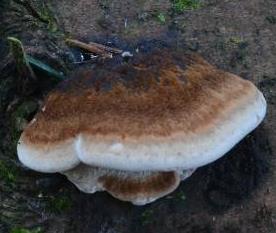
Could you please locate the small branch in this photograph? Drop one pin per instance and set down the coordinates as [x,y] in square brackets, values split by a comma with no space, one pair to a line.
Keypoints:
[106,48]
[95,48]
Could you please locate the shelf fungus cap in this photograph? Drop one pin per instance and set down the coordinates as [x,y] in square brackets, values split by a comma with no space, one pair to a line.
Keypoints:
[161,111]
[137,187]
[48,156]
[137,129]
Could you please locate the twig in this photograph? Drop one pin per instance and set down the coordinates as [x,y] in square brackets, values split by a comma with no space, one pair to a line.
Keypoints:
[106,48]
[92,47]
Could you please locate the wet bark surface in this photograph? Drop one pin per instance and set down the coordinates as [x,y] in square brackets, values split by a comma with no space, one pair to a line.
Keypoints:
[237,193]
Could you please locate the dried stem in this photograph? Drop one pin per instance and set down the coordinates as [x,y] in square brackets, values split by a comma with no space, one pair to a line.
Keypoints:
[95,48]
[106,48]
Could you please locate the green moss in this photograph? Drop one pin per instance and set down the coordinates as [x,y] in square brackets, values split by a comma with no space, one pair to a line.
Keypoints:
[180,196]
[22,115]
[147,217]
[271,19]
[49,18]
[60,204]
[238,46]
[235,41]
[19,119]
[14,137]
[41,12]
[161,18]
[104,4]
[26,109]
[7,173]
[24,230]
[182,5]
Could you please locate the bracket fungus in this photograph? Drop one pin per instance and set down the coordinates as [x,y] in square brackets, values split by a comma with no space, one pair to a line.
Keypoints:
[137,129]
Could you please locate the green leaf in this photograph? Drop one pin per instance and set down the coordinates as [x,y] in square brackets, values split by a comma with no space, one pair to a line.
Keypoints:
[22,64]
[24,230]
[44,68]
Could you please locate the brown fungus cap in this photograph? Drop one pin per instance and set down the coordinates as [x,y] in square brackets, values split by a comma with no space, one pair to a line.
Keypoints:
[137,187]
[162,111]
[140,189]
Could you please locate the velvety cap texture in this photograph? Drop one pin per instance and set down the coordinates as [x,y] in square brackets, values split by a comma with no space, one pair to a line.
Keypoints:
[161,111]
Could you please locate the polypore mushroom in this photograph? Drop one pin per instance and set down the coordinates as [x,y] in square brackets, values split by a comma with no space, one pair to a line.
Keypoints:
[137,129]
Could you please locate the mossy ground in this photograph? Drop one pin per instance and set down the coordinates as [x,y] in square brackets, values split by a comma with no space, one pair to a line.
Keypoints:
[181,5]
